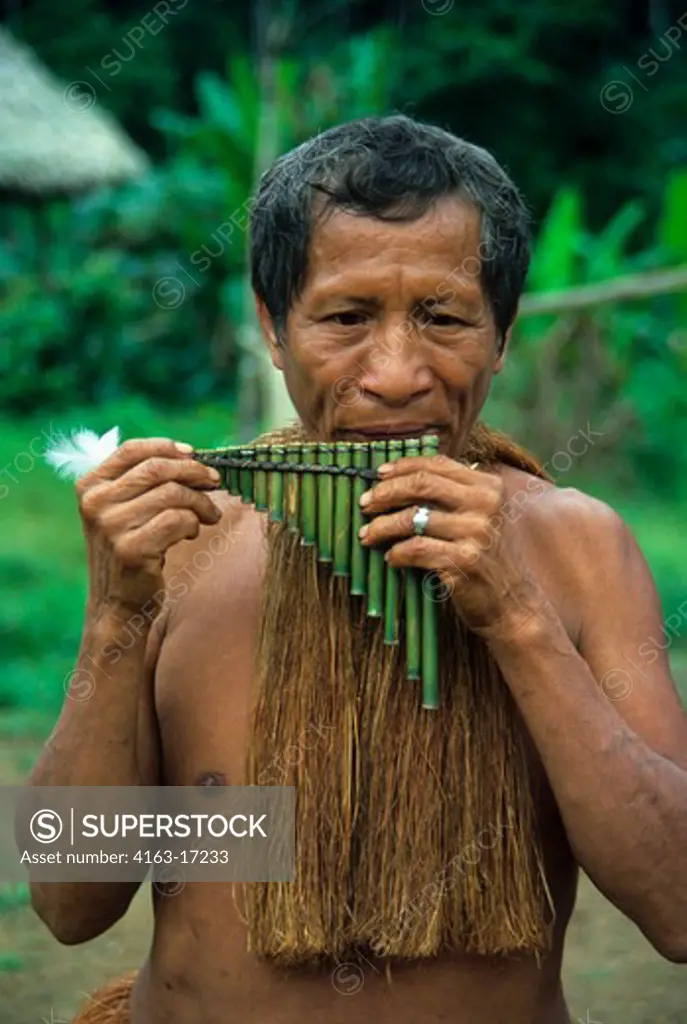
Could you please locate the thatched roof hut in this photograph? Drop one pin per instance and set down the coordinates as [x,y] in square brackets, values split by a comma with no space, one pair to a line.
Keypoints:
[54,139]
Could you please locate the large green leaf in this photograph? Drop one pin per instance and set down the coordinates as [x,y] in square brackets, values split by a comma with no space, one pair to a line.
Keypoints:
[370,76]
[222,108]
[608,251]
[556,257]
[241,75]
[672,230]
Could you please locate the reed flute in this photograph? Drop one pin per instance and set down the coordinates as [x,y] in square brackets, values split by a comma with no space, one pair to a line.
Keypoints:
[315,489]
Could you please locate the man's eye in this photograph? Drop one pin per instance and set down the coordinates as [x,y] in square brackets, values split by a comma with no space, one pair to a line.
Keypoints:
[444,320]
[348,319]
[426,316]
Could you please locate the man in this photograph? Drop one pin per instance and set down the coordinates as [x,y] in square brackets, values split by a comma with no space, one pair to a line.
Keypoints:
[388,258]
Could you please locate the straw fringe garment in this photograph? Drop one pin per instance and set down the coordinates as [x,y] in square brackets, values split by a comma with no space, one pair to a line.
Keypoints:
[421,802]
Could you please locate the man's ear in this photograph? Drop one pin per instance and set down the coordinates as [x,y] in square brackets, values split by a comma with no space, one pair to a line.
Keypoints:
[268,329]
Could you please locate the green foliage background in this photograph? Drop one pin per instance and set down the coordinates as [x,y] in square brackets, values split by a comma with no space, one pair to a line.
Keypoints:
[84,317]
[90,336]
[127,306]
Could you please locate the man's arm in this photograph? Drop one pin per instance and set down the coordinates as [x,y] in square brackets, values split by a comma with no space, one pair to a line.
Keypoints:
[109,740]
[135,506]
[608,723]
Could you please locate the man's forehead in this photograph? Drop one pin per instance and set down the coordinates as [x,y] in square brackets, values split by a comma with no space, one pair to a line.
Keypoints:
[450,223]
[350,251]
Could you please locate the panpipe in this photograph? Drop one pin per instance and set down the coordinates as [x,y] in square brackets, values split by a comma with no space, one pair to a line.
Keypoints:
[315,488]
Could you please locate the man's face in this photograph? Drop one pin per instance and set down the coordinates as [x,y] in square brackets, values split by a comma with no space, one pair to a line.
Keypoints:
[392,334]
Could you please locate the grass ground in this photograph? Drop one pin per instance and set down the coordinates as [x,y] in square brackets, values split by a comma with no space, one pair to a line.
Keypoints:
[612,975]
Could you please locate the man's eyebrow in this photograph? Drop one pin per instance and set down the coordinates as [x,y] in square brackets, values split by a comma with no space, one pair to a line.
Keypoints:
[430,299]
[353,300]
[438,300]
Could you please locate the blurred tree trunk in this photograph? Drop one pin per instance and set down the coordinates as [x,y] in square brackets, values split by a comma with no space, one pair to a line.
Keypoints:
[263,399]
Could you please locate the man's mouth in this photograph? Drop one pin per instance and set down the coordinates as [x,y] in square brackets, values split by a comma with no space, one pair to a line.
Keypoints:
[384,432]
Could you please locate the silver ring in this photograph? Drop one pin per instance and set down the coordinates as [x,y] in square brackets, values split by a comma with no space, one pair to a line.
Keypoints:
[420,521]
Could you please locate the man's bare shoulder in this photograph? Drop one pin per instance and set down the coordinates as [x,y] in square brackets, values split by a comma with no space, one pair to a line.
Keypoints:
[560,509]
[222,557]
[575,540]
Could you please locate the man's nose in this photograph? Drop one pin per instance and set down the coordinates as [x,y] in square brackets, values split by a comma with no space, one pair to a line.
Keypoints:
[396,369]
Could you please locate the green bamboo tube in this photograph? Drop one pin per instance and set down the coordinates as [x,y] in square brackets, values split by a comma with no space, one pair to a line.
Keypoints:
[391,627]
[359,555]
[276,514]
[377,565]
[325,504]
[262,454]
[342,512]
[223,473]
[308,498]
[430,640]
[292,496]
[247,477]
[234,483]
[413,600]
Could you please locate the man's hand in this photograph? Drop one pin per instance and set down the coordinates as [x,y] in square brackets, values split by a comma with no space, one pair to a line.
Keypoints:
[469,543]
[145,497]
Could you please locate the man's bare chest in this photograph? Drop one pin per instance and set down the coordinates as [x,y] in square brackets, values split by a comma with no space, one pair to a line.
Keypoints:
[205,675]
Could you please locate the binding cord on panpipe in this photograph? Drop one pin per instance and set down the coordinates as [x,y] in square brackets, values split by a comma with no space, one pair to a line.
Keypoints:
[316,488]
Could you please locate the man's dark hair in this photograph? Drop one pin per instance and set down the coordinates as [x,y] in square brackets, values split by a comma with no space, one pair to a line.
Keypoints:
[392,168]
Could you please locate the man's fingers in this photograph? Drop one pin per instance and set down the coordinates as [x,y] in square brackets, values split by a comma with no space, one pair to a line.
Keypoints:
[146,476]
[420,488]
[159,534]
[387,529]
[129,454]
[145,497]
[171,495]
[424,487]
[428,553]
[442,465]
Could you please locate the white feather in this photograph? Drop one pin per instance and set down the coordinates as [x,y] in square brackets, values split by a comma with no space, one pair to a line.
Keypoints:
[73,457]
